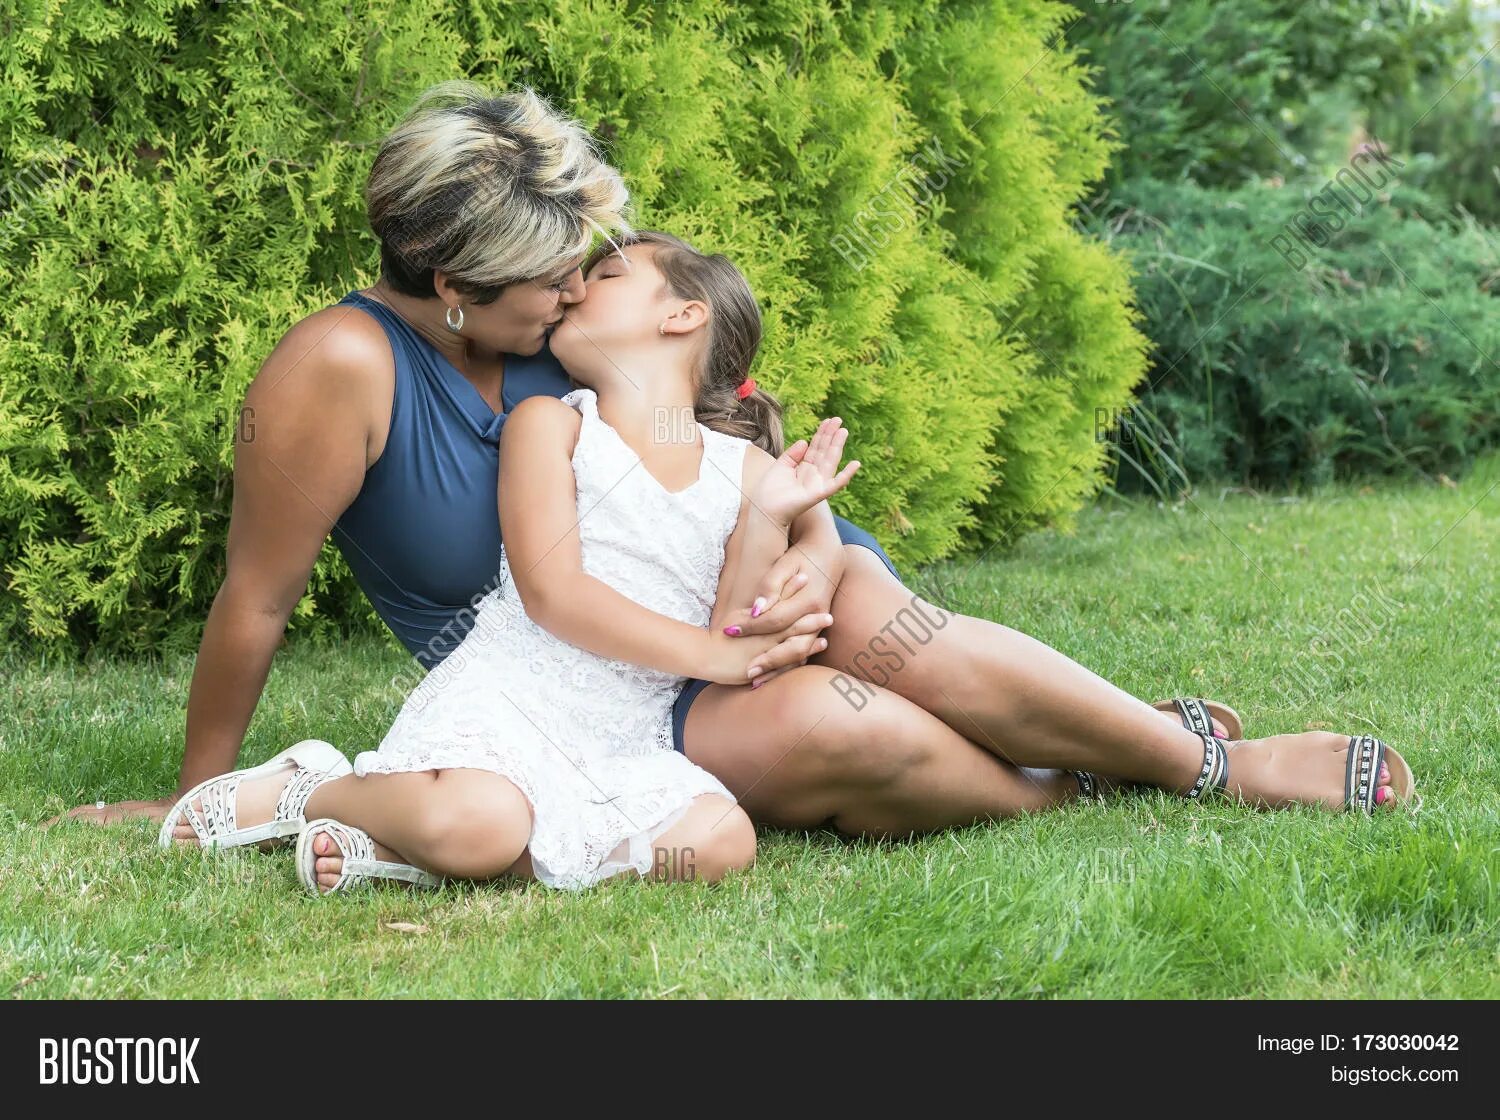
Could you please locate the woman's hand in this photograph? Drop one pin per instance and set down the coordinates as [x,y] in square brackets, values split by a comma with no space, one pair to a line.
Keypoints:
[119,811]
[800,479]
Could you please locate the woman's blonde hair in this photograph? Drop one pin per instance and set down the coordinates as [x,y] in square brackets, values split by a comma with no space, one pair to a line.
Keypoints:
[733,336]
[489,190]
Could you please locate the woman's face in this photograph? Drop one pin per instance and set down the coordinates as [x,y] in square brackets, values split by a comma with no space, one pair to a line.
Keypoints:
[625,302]
[520,320]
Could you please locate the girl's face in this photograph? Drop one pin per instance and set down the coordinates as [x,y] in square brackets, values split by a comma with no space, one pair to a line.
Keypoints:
[626,301]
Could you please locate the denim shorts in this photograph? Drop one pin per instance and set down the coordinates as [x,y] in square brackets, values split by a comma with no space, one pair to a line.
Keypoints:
[849,533]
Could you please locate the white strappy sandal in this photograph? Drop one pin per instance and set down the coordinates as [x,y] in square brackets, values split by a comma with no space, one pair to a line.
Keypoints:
[316,762]
[361,868]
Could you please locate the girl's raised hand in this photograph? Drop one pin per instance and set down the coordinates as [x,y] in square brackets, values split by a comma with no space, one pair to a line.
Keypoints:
[800,479]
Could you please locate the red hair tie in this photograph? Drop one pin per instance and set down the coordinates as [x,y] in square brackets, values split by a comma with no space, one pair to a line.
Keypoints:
[746,387]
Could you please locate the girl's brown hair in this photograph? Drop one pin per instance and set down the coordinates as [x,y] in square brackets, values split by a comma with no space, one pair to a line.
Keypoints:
[733,336]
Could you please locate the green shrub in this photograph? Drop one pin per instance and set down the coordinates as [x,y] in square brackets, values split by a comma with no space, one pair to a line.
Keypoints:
[1451,127]
[1377,354]
[183,181]
[1218,93]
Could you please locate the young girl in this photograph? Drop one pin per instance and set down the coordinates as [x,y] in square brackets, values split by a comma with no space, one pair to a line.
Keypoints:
[542,746]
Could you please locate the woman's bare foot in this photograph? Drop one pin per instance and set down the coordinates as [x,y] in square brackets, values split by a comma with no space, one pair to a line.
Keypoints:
[1220,731]
[255,804]
[1106,784]
[1305,769]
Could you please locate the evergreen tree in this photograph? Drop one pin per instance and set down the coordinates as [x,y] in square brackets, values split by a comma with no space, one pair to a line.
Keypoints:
[181,182]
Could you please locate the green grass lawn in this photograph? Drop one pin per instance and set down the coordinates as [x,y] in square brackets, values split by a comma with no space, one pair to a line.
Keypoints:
[1246,598]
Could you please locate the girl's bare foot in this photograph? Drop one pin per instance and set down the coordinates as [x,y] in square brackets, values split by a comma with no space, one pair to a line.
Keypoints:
[255,804]
[330,864]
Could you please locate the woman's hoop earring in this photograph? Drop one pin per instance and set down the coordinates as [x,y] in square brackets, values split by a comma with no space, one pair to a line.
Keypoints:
[448,318]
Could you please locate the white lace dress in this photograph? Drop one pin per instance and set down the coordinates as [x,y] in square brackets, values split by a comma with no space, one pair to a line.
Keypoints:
[587,739]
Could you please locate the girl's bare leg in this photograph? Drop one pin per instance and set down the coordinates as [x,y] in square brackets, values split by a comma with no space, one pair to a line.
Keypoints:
[461,824]
[713,838]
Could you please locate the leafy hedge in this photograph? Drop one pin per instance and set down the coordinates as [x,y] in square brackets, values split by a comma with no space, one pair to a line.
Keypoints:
[1220,93]
[1287,362]
[182,181]
[1452,128]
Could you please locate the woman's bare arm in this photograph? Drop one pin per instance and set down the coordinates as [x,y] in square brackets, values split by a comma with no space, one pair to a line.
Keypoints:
[311,420]
[298,464]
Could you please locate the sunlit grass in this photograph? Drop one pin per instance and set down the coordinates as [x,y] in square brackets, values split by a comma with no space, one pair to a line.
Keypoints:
[1149,896]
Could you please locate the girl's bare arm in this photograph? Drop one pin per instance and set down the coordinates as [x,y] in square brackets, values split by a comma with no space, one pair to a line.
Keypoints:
[539,524]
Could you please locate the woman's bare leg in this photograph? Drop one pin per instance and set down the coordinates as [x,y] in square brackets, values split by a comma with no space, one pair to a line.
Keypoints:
[1033,706]
[796,755]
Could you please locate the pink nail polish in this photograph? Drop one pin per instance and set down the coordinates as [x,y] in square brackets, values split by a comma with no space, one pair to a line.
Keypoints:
[757,684]
[759,605]
[1382,795]
[753,673]
[732,631]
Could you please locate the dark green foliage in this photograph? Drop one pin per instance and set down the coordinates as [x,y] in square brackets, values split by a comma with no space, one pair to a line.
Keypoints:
[1218,93]
[1451,127]
[1264,373]
[1379,354]
[181,183]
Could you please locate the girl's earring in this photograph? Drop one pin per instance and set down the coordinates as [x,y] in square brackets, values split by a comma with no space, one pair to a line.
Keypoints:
[661,328]
[448,318]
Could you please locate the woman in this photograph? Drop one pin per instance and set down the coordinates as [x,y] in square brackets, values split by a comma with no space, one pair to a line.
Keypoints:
[541,747]
[378,420]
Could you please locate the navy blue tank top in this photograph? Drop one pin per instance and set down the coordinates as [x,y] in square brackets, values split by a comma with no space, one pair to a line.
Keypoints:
[422,536]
